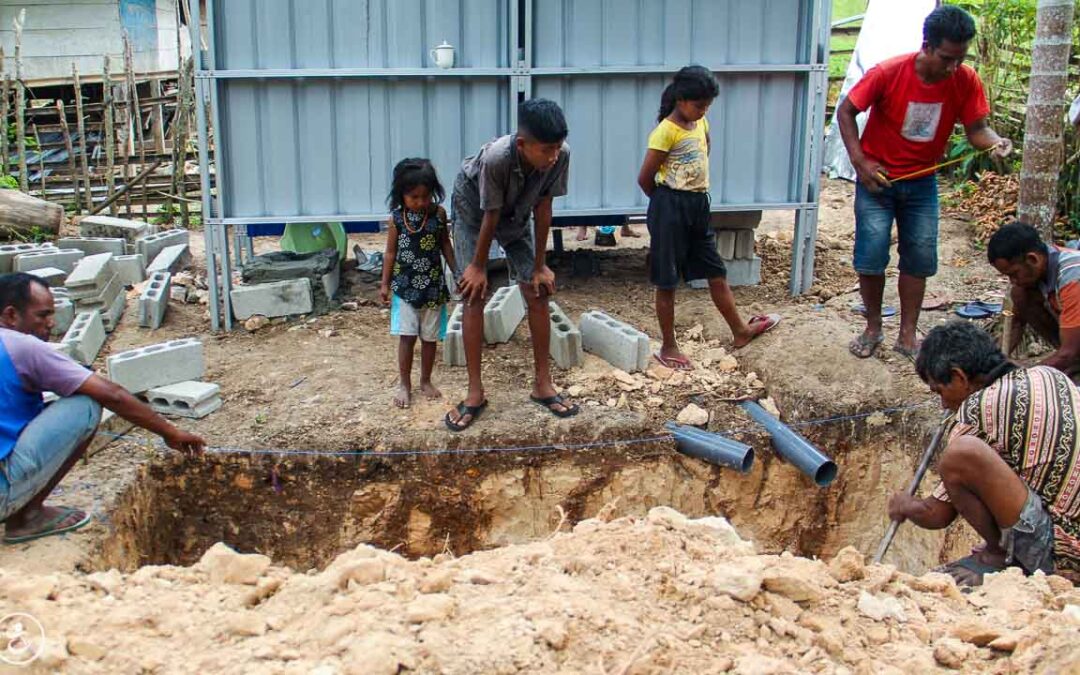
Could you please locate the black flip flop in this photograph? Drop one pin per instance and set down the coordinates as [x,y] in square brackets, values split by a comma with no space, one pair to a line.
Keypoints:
[557,399]
[472,410]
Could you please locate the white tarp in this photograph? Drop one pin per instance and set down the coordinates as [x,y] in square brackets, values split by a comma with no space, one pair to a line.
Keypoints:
[890,28]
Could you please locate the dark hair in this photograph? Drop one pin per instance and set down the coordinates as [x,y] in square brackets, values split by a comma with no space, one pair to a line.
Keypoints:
[1014,241]
[410,173]
[542,120]
[963,345]
[692,83]
[948,22]
[15,290]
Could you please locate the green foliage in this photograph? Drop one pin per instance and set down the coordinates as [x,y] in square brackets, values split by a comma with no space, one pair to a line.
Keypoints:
[9,183]
[13,137]
[167,214]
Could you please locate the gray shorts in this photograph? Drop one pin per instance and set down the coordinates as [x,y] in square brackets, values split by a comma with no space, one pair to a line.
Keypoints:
[520,253]
[1030,542]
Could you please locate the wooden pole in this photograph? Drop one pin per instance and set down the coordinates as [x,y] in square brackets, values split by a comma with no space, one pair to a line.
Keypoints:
[136,115]
[41,161]
[60,110]
[128,133]
[126,187]
[80,127]
[157,118]
[4,104]
[107,130]
[180,136]
[20,106]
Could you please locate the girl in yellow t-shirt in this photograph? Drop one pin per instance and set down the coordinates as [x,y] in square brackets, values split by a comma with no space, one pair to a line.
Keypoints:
[675,177]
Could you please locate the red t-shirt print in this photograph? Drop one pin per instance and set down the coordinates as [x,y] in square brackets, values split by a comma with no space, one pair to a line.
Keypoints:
[910,121]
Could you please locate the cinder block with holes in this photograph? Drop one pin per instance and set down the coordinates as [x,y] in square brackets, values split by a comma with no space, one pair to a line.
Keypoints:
[9,251]
[185,399]
[50,275]
[153,244]
[64,316]
[130,268]
[276,298]
[85,337]
[94,245]
[90,275]
[618,343]
[61,258]
[565,339]
[145,368]
[454,342]
[107,226]
[154,301]
[502,314]
[110,316]
[99,299]
[171,259]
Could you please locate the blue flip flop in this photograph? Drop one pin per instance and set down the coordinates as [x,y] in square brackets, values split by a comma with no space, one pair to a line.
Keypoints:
[886,311]
[979,309]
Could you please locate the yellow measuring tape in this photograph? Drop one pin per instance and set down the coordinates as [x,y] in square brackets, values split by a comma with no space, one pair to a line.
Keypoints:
[931,169]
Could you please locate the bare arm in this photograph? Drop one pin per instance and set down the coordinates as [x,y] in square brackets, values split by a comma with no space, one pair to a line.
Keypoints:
[870,172]
[1067,355]
[447,245]
[114,397]
[646,179]
[982,137]
[928,513]
[543,278]
[389,256]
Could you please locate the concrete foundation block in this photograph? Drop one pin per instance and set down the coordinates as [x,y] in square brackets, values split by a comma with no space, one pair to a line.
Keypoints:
[565,347]
[93,271]
[145,368]
[85,337]
[153,244]
[331,282]
[171,259]
[454,342]
[94,245]
[193,400]
[63,259]
[50,275]
[277,298]
[130,268]
[618,343]
[725,244]
[154,301]
[744,244]
[502,314]
[744,272]
[64,316]
[118,228]
[111,315]
[735,220]
[101,298]
[9,251]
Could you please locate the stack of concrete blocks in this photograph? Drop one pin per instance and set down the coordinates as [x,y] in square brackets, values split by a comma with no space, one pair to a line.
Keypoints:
[130,268]
[59,258]
[95,287]
[154,300]
[170,259]
[565,339]
[9,251]
[153,244]
[116,228]
[735,243]
[276,298]
[94,245]
[52,277]
[274,281]
[454,342]
[190,399]
[65,312]
[85,337]
[167,376]
[502,314]
[618,343]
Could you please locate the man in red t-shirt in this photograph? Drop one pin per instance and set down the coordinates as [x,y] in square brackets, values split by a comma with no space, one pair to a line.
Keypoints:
[914,101]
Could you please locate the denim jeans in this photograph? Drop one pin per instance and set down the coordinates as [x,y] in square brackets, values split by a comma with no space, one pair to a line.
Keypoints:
[913,204]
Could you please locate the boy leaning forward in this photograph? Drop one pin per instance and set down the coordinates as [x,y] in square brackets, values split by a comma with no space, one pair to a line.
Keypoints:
[495,192]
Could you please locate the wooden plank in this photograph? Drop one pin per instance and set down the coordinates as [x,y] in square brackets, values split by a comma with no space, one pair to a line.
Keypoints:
[126,188]
[71,157]
[20,106]
[157,117]
[136,116]
[80,126]
[108,132]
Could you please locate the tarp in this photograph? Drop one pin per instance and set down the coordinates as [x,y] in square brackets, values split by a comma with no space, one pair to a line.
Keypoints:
[890,28]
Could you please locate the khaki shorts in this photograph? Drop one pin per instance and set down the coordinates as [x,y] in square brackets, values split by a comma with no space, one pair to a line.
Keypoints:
[427,322]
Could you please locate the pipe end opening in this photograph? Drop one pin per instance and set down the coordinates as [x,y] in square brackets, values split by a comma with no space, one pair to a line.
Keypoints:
[826,474]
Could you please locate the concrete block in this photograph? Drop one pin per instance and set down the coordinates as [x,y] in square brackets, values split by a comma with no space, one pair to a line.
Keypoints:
[85,337]
[100,298]
[9,251]
[454,342]
[94,245]
[154,300]
[63,259]
[65,315]
[502,314]
[744,272]
[735,220]
[194,400]
[171,259]
[61,292]
[725,244]
[130,268]
[50,275]
[93,271]
[565,339]
[277,298]
[744,244]
[331,282]
[152,244]
[145,368]
[618,343]
[119,228]
[111,315]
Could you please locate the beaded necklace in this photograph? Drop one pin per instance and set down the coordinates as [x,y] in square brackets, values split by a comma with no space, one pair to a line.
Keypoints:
[405,221]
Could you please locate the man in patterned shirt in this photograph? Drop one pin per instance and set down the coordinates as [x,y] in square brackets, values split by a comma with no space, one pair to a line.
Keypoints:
[1011,466]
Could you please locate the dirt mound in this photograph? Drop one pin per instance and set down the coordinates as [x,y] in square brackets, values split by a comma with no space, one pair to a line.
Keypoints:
[658,594]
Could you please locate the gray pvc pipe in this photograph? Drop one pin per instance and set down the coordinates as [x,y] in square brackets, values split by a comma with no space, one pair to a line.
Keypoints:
[793,447]
[712,448]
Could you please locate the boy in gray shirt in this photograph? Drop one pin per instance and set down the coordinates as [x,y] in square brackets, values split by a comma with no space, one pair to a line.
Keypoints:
[495,191]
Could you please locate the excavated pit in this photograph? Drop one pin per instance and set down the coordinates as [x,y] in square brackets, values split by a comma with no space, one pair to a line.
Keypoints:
[304,510]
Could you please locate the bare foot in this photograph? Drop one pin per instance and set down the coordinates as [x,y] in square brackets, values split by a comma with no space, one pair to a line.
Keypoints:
[582,234]
[429,390]
[674,359]
[403,397]
[628,231]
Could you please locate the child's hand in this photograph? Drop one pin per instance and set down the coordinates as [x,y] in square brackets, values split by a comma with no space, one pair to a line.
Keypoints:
[384,293]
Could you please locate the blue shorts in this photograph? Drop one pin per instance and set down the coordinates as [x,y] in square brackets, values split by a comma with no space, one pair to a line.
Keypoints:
[43,447]
[913,204]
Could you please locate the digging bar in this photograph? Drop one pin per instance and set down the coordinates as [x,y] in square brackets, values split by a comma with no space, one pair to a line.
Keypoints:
[924,464]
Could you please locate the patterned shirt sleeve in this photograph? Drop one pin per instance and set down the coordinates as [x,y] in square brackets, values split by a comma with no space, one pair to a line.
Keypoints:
[960,427]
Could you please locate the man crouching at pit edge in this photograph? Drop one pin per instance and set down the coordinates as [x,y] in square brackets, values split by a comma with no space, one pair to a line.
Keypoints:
[1011,463]
[40,443]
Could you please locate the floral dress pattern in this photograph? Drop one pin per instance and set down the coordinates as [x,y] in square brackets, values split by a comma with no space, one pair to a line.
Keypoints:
[418,268]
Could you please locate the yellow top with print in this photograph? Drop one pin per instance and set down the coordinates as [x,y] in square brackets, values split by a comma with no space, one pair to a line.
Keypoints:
[687,163]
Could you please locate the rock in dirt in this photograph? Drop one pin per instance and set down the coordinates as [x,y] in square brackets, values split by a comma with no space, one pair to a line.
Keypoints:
[553,633]
[951,652]
[658,372]
[362,573]
[770,406]
[226,566]
[848,565]
[86,648]
[255,323]
[740,582]
[437,581]
[623,377]
[350,306]
[430,608]
[693,415]
[881,607]
[975,632]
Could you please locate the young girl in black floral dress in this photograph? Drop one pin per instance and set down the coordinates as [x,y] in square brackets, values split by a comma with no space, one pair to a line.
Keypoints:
[417,242]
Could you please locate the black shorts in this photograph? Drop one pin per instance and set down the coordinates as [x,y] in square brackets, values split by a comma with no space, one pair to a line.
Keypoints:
[682,242]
